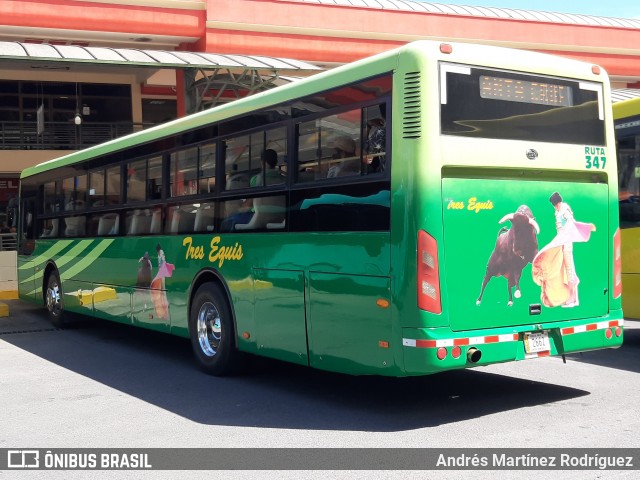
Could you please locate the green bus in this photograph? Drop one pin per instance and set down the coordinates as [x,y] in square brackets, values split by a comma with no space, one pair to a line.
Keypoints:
[435,207]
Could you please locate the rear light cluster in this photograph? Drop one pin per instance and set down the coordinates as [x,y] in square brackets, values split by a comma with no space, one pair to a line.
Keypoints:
[442,352]
[610,332]
[428,274]
[617,265]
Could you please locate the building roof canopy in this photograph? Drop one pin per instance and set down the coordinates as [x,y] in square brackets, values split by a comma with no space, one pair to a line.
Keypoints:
[621,94]
[19,51]
[493,12]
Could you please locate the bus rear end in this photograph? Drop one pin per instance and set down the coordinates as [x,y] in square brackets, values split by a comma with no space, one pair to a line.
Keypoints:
[518,246]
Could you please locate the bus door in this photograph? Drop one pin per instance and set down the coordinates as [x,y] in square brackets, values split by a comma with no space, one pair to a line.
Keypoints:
[26,244]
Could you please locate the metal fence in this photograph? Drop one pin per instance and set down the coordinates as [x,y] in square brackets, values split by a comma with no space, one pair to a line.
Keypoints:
[62,135]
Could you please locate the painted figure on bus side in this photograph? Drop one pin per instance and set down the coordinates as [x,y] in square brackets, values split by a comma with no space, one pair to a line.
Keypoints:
[158,293]
[515,248]
[144,271]
[553,268]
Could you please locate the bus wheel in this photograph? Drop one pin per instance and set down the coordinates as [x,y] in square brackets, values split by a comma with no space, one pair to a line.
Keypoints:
[53,300]
[211,331]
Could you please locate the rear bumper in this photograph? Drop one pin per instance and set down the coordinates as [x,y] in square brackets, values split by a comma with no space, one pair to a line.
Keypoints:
[421,345]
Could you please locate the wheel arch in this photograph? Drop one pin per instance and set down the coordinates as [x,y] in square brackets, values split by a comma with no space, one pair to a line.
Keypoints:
[49,268]
[210,275]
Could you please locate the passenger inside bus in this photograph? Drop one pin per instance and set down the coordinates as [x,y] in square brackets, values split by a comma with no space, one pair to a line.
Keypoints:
[344,147]
[375,144]
[270,172]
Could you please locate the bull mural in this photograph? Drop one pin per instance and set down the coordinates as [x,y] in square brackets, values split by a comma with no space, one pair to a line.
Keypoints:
[515,247]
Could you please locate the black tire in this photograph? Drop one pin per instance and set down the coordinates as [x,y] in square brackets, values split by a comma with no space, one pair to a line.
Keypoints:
[53,300]
[212,332]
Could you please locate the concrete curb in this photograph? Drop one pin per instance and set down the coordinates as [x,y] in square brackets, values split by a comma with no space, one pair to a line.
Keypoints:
[8,295]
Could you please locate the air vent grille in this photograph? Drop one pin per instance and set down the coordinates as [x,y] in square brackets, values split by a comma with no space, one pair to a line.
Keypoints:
[411,126]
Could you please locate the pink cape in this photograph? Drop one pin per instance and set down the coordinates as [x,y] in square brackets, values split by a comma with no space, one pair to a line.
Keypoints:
[548,269]
[158,295]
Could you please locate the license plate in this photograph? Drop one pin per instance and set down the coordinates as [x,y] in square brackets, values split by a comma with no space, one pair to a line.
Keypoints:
[536,342]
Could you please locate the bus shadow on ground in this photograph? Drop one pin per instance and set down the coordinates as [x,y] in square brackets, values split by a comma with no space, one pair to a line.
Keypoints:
[627,357]
[159,369]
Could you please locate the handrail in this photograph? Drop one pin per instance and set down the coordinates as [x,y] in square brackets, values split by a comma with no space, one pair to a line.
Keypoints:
[63,135]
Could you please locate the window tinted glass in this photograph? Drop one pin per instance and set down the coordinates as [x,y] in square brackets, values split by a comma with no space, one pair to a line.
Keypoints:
[628,136]
[505,105]
[358,207]
[207,170]
[96,188]
[51,204]
[136,181]
[183,178]
[361,92]
[256,160]
[113,185]
[154,178]
[329,147]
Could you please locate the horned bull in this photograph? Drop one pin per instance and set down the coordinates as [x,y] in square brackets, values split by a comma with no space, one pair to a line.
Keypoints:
[515,247]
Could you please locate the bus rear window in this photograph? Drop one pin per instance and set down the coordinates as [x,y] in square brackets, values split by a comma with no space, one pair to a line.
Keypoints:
[484,103]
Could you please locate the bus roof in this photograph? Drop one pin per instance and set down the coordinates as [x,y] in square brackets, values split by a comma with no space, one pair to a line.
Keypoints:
[626,108]
[342,75]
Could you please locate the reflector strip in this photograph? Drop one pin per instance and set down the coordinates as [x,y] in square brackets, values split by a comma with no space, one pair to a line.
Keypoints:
[451,342]
[591,327]
[537,355]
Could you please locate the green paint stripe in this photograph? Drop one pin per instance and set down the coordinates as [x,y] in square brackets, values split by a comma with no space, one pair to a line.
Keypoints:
[62,260]
[86,262]
[33,277]
[73,253]
[35,292]
[46,255]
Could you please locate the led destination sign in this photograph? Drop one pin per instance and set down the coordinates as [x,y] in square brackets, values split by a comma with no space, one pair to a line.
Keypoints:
[511,90]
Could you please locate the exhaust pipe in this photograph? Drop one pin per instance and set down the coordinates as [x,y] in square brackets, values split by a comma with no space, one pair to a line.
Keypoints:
[474,355]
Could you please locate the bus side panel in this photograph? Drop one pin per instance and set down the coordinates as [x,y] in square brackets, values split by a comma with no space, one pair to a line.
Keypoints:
[26,279]
[281,330]
[630,238]
[350,325]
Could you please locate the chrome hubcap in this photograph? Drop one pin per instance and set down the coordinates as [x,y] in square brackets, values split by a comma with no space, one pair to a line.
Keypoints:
[209,329]
[53,298]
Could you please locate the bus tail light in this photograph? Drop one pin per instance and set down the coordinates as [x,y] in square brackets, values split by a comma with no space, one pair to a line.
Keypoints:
[446,48]
[617,265]
[428,274]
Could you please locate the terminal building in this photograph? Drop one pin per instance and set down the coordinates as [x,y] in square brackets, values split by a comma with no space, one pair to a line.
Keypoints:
[79,72]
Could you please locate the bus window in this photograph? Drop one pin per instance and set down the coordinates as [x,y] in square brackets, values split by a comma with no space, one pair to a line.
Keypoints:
[375,138]
[81,192]
[207,168]
[245,164]
[68,193]
[268,213]
[154,178]
[183,172]
[136,181]
[329,147]
[50,198]
[113,185]
[96,188]
[629,179]
[512,106]
[204,220]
